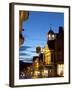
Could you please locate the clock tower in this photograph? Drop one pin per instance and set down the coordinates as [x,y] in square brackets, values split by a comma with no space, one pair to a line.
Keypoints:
[51,39]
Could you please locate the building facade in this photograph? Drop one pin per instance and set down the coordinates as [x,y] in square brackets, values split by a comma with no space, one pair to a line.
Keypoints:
[59,52]
[23,16]
[56,45]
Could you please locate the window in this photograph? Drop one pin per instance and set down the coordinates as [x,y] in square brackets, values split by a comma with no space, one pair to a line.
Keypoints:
[60,69]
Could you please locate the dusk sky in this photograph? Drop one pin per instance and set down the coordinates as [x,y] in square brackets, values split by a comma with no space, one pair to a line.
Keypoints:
[35,31]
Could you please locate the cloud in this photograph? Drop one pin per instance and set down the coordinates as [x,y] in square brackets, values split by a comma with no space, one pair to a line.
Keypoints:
[26,59]
[24,48]
[33,51]
[22,54]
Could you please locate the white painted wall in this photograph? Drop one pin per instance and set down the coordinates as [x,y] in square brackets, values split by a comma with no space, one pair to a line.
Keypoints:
[4,44]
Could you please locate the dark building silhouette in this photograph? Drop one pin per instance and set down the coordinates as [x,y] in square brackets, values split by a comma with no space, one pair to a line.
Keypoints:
[38,49]
[41,56]
[59,46]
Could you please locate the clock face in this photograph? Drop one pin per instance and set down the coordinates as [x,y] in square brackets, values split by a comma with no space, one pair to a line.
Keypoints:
[51,37]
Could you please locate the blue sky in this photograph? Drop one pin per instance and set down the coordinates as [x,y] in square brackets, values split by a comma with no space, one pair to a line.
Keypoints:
[35,31]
